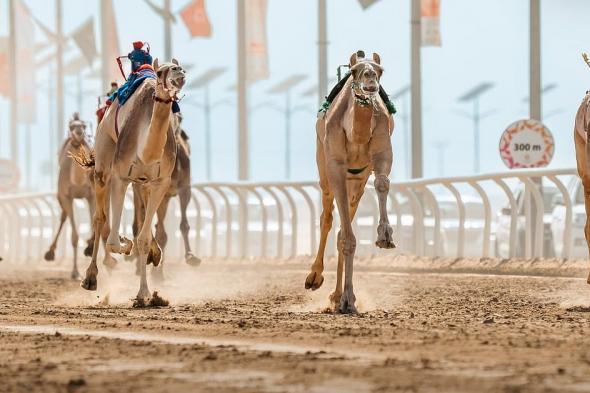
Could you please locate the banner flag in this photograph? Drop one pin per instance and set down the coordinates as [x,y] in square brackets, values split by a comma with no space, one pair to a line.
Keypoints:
[83,36]
[195,18]
[256,44]
[431,23]
[367,3]
[25,60]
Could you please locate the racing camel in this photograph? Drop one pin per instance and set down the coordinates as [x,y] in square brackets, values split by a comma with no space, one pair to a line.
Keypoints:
[180,185]
[74,183]
[135,143]
[582,143]
[353,140]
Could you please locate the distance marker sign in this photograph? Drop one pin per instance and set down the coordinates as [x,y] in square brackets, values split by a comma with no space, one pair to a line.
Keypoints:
[527,144]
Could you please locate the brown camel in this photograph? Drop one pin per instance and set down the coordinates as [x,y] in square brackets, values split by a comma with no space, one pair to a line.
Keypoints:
[74,183]
[143,152]
[353,140]
[582,143]
[180,185]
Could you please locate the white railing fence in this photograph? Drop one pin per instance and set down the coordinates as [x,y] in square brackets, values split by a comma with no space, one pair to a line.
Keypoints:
[478,216]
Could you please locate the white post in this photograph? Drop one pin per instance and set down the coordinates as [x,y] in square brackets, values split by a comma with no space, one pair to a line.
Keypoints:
[243,160]
[322,51]
[416,75]
[13,88]
[535,60]
[59,73]
[167,31]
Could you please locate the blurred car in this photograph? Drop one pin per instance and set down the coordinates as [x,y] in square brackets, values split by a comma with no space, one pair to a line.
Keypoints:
[502,243]
[576,194]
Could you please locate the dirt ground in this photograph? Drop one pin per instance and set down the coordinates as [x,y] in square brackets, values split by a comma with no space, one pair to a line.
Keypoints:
[249,326]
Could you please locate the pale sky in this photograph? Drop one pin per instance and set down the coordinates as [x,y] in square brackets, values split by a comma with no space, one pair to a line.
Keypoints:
[482,41]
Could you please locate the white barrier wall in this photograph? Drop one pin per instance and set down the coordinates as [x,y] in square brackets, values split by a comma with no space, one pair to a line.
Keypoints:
[480,216]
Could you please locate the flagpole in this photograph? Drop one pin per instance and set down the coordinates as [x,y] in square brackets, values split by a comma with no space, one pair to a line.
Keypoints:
[60,72]
[243,160]
[322,51]
[167,31]
[103,52]
[13,85]
[416,88]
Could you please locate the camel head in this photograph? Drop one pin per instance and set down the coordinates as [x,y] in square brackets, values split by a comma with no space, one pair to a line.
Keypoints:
[365,73]
[77,131]
[171,77]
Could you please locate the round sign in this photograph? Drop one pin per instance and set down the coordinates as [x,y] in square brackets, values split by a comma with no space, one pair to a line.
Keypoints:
[9,175]
[527,144]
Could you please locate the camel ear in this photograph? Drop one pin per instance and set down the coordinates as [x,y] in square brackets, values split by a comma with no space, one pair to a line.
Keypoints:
[156,64]
[376,58]
[353,60]
[174,61]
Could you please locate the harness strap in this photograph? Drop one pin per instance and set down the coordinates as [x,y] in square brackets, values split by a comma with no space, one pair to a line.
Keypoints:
[117,120]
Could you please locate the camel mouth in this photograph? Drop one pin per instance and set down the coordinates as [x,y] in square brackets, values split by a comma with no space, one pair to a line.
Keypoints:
[370,89]
[178,83]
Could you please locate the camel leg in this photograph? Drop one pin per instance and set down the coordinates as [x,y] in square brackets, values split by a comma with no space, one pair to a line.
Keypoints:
[138,214]
[108,260]
[90,242]
[356,189]
[101,190]
[315,279]
[161,236]
[336,159]
[50,254]
[184,195]
[586,185]
[153,198]
[118,190]
[69,207]
[382,167]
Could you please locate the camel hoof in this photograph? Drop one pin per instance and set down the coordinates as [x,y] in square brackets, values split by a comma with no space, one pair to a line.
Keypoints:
[75,275]
[154,255]
[314,281]
[89,249]
[385,236]
[126,246]
[335,300]
[347,304]
[89,283]
[50,256]
[192,260]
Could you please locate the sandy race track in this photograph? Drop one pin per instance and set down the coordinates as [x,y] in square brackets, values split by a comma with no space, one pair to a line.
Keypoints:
[249,326]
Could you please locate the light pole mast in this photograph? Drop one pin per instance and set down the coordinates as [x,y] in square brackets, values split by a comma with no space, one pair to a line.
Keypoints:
[12,84]
[416,86]
[322,51]
[167,30]
[535,61]
[59,71]
[243,160]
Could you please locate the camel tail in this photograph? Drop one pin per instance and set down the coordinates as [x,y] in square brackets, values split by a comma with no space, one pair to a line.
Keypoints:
[84,158]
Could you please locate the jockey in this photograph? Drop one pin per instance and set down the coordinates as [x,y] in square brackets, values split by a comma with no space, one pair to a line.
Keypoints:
[332,96]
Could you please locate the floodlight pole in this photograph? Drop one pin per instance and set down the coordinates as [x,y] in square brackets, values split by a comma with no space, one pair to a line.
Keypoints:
[59,72]
[535,61]
[243,160]
[288,135]
[322,51]
[167,31]
[13,85]
[416,78]
[207,110]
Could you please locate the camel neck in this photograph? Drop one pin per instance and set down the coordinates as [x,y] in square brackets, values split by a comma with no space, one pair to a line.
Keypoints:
[157,133]
[362,115]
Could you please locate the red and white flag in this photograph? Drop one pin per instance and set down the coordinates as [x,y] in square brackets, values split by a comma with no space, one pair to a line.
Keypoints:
[194,16]
[431,23]
[256,43]
[25,60]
